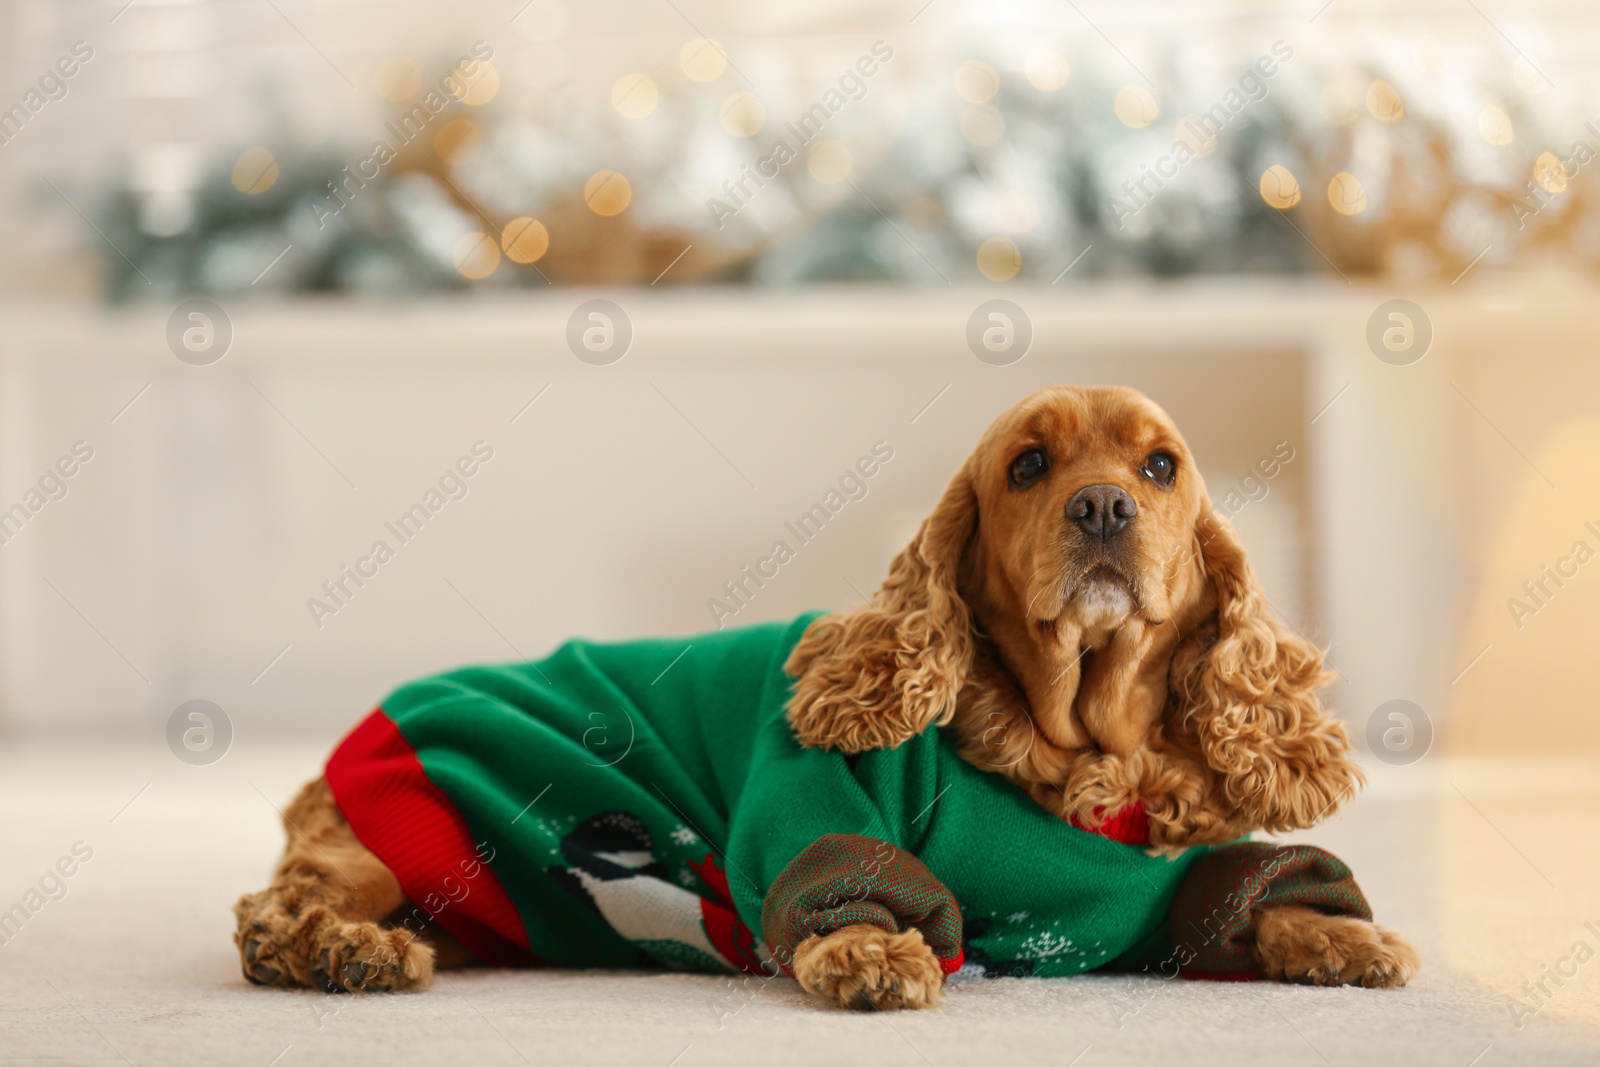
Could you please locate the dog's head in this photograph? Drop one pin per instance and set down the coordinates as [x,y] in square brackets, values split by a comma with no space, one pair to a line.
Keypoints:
[1076,570]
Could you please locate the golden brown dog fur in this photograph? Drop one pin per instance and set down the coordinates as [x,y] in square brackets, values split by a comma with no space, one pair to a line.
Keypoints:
[1184,693]
[1197,701]
[320,922]
[321,925]
[868,968]
[993,622]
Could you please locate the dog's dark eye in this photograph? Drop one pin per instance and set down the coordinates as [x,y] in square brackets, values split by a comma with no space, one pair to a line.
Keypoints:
[1028,468]
[1160,468]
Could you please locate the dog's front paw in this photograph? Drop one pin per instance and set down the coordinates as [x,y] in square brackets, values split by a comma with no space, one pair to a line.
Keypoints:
[870,969]
[1296,944]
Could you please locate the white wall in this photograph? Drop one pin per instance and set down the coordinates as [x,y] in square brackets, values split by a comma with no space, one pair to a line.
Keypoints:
[180,562]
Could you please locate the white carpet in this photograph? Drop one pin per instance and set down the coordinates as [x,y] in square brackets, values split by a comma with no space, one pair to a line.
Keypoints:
[135,963]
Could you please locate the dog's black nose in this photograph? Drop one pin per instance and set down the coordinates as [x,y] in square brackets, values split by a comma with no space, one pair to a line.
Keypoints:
[1101,511]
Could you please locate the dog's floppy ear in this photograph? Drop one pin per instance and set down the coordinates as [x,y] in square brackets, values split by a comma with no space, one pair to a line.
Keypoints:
[1247,686]
[878,675]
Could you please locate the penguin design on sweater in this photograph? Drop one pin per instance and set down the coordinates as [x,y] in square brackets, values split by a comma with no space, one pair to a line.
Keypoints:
[615,871]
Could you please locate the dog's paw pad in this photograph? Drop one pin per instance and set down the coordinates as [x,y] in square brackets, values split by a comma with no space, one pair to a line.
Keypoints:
[366,958]
[261,964]
[1303,946]
[870,969]
[261,974]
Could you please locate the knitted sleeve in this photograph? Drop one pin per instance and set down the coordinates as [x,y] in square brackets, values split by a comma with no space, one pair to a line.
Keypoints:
[843,879]
[1212,917]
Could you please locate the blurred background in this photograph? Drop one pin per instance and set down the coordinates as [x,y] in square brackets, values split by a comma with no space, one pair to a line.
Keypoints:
[270,268]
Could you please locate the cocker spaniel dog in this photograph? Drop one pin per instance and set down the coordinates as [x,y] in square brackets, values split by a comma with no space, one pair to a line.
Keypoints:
[1039,750]
[1080,617]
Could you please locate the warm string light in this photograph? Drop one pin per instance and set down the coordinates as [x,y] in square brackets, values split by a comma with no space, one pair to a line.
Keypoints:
[524,239]
[255,172]
[1135,107]
[999,259]
[607,193]
[476,255]
[634,95]
[1279,187]
[742,114]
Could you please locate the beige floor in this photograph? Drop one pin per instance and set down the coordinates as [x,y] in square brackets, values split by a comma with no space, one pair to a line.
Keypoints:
[1490,866]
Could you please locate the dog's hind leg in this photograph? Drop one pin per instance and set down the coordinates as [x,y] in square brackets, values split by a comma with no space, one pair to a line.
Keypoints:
[320,922]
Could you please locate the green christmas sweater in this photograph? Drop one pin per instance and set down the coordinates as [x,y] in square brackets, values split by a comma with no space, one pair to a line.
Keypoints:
[645,804]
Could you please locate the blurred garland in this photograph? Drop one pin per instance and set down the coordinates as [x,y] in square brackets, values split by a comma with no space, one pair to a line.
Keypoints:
[924,201]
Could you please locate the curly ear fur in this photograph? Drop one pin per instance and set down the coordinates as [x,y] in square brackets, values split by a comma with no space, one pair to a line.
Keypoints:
[1246,687]
[877,676]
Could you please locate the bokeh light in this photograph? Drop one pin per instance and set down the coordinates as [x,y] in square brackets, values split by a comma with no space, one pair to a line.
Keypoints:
[255,172]
[458,141]
[1135,107]
[607,193]
[1046,70]
[829,162]
[1494,125]
[476,255]
[634,95]
[977,82]
[1528,77]
[474,85]
[1346,194]
[1279,187]
[702,59]
[1383,102]
[999,259]
[524,239]
[742,115]
[1549,174]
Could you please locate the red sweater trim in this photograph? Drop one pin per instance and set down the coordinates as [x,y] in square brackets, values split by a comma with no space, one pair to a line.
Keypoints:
[1251,975]
[411,825]
[1130,825]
